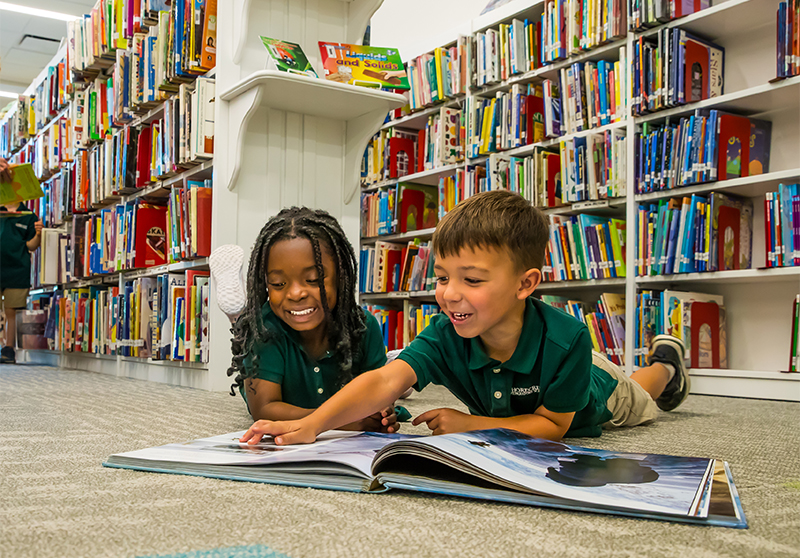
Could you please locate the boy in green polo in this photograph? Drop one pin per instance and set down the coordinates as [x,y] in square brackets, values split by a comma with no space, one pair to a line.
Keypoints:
[19,236]
[514,361]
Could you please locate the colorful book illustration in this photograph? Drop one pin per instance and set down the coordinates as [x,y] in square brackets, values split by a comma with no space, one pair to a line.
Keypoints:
[367,66]
[499,464]
[287,57]
[699,320]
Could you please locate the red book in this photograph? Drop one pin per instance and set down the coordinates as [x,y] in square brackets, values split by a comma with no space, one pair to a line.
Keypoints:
[421,151]
[553,171]
[143,155]
[397,146]
[412,202]
[535,114]
[203,223]
[611,350]
[391,330]
[705,314]
[400,324]
[150,241]
[696,86]
[734,146]
[767,231]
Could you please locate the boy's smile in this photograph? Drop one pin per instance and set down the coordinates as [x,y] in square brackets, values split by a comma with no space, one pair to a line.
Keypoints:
[483,294]
[293,285]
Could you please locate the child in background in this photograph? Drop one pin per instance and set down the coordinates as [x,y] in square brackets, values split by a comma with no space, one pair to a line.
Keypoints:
[514,361]
[301,335]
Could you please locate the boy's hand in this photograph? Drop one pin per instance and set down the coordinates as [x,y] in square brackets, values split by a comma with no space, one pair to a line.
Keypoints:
[38,225]
[285,432]
[445,421]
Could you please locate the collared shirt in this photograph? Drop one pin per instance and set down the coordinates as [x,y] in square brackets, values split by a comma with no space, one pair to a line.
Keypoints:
[551,366]
[15,259]
[306,382]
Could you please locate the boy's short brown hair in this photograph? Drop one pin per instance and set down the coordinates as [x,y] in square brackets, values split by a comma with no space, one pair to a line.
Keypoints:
[497,219]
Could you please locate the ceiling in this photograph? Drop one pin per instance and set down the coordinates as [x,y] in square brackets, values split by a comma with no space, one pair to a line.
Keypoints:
[21,58]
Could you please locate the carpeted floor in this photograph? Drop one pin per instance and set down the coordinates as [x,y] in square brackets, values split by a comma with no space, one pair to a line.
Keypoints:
[56,426]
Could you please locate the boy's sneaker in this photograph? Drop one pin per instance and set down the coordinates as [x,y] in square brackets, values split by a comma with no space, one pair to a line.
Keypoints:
[226,269]
[667,349]
[8,356]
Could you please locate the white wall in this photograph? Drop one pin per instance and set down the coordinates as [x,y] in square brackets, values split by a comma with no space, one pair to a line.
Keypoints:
[404,23]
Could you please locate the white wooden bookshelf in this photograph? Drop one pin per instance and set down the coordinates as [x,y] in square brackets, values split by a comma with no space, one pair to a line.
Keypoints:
[758,301]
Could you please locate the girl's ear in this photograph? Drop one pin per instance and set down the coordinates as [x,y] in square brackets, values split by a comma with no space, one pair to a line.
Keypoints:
[528,282]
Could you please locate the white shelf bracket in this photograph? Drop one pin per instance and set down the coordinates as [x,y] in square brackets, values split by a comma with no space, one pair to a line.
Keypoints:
[358,16]
[240,111]
[239,29]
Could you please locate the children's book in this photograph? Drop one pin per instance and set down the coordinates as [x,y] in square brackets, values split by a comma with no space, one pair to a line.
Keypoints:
[287,57]
[24,185]
[367,66]
[498,464]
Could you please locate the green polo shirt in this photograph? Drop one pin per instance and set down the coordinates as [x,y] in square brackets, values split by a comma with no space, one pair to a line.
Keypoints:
[15,260]
[305,382]
[551,366]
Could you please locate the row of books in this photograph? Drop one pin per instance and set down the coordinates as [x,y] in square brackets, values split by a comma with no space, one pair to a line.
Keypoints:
[32,113]
[572,26]
[788,41]
[174,38]
[782,226]
[584,247]
[508,120]
[162,318]
[694,234]
[188,222]
[593,94]
[604,319]
[400,327]
[710,145]
[45,150]
[395,153]
[393,267]
[648,13]
[402,208]
[698,319]
[439,75]
[674,67]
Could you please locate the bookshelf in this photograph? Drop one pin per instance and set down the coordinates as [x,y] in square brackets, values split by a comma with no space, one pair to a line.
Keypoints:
[280,140]
[758,301]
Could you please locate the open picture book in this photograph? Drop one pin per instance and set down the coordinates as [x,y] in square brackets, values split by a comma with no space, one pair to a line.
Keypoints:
[499,464]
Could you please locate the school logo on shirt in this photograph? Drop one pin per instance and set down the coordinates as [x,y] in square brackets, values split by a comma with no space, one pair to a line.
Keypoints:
[521,391]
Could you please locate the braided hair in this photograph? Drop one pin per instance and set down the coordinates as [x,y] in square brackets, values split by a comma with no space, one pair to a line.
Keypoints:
[345,324]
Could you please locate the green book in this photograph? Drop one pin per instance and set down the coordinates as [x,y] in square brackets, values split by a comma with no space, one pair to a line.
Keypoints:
[287,57]
[24,185]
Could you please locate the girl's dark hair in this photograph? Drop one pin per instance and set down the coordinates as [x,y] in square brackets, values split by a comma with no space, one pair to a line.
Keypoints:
[345,324]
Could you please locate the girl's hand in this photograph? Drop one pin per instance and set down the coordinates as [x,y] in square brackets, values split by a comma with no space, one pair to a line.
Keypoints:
[382,421]
[284,432]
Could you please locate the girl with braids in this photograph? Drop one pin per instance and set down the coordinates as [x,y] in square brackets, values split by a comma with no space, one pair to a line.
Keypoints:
[301,335]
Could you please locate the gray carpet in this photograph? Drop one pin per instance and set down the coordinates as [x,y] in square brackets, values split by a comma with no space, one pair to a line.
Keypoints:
[56,426]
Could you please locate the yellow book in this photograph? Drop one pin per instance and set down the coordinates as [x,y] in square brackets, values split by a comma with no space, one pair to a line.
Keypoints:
[439,58]
[190,323]
[486,133]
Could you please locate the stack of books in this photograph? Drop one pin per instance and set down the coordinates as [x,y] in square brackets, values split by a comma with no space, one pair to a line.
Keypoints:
[584,247]
[782,226]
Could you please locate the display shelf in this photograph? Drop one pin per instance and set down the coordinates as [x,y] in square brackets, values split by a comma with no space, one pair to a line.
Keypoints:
[762,275]
[751,384]
[399,237]
[748,186]
[430,177]
[764,98]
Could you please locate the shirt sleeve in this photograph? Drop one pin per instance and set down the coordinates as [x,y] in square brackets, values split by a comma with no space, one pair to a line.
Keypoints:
[424,355]
[271,363]
[569,390]
[30,232]
[373,351]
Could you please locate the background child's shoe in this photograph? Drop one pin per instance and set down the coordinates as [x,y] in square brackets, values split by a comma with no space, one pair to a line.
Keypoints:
[8,356]
[226,269]
[666,349]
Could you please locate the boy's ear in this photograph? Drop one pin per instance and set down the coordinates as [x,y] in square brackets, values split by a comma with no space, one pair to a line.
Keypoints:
[528,283]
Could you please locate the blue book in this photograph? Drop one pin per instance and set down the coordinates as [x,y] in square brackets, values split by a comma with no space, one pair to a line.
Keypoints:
[673,241]
[786,193]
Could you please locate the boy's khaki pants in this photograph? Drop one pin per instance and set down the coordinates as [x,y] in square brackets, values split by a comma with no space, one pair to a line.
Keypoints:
[630,404]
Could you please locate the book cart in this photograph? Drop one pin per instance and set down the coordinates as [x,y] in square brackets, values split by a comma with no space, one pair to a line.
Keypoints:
[759,300]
